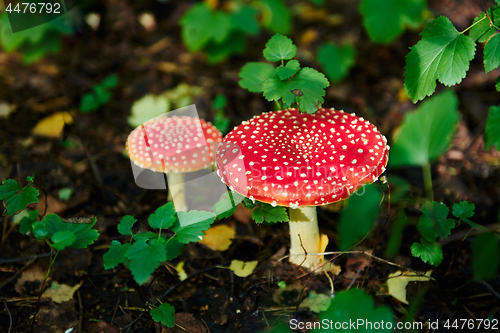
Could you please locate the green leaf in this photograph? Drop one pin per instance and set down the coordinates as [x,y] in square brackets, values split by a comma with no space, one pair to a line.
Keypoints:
[265,212]
[164,314]
[219,51]
[443,54]
[428,252]
[306,88]
[336,60]
[163,217]
[386,21]
[427,133]
[354,305]
[85,235]
[125,225]
[110,81]
[276,15]
[115,254]
[497,84]
[291,67]
[195,222]
[200,25]
[435,223]
[492,53]
[245,19]
[485,256]
[173,248]
[219,102]
[19,201]
[8,188]
[279,48]
[492,130]
[143,236]
[89,103]
[227,204]
[62,239]
[221,121]
[358,217]
[38,229]
[463,209]
[144,259]
[253,74]
[26,222]
[101,95]
[482,31]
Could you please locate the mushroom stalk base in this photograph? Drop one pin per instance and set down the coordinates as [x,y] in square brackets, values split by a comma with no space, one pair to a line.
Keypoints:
[304,227]
[176,191]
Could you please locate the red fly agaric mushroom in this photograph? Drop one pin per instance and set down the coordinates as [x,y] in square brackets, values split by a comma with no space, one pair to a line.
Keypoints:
[174,145]
[297,160]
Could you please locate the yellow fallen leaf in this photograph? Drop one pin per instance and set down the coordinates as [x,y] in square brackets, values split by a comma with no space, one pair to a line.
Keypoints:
[61,292]
[219,238]
[242,268]
[398,281]
[180,271]
[52,126]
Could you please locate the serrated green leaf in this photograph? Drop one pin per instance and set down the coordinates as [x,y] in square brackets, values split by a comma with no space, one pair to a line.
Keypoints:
[492,53]
[312,84]
[442,54]
[144,259]
[227,204]
[427,133]
[253,74]
[266,212]
[249,204]
[85,235]
[143,236]
[115,254]
[336,60]
[384,22]
[164,314]
[125,225]
[8,188]
[276,15]
[463,209]
[62,239]
[435,223]
[492,130]
[291,67]
[245,19]
[163,217]
[200,25]
[358,217]
[353,305]
[481,29]
[428,252]
[194,223]
[485,256]
[173,248]
[279,48]
[307,88]
[19,201]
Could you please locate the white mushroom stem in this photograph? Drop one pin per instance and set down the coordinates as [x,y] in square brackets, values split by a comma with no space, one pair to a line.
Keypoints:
[304,223]
[176,191]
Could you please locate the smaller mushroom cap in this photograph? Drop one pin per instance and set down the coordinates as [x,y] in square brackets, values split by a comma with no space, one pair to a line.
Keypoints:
[292,159]
[177,143]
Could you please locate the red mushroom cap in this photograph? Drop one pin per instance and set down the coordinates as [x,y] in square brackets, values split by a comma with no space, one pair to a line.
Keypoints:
[178,143]
[291,159]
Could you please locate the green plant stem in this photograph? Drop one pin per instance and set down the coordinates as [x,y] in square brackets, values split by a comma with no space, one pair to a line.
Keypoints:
[470,27]
[426,169]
